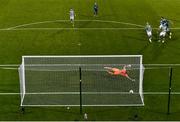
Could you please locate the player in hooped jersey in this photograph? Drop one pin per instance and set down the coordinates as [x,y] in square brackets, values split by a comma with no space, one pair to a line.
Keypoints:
[164,28]
[119,72]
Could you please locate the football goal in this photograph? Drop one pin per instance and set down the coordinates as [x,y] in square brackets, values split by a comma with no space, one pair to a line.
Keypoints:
[100,80]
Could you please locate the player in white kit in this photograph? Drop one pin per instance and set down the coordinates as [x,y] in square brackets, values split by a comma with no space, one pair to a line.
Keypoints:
[72,16]
[149,31]
[162,34]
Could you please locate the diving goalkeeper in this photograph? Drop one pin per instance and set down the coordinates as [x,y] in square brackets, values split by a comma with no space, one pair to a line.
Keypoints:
[121,72]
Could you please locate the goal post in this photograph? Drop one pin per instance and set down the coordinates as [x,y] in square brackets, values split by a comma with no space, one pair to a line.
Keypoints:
[141,70]
[22,81]
[54,81]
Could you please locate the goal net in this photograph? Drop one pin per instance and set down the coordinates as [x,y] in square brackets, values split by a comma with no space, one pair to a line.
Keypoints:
[55,80]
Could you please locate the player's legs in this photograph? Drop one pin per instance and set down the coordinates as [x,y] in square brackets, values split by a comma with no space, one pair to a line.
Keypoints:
[149,34]
[169,33]
[72,20]
[95,12]
[129,78]
[162,36]
[111,70]
[108,68]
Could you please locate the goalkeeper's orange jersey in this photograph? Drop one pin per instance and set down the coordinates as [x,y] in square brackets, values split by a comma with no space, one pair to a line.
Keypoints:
[122,72]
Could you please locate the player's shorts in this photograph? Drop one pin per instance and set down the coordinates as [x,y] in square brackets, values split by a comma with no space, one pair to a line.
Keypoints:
[149,33]
[71,17]
[96,10]
[123,72]
[163,33]
[116,71]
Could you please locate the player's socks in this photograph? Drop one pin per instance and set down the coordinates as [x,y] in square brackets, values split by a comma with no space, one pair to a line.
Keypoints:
[150,40]
[163,40]
[170,35]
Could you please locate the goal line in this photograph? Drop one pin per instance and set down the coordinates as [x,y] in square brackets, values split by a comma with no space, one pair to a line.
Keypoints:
[89,93]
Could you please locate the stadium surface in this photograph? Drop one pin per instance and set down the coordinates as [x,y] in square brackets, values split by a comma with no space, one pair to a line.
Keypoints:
[42,27]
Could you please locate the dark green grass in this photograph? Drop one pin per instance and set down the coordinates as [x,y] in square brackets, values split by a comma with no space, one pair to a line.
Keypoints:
[14,44]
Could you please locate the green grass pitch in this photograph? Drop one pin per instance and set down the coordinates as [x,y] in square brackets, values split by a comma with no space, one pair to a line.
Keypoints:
[18,41]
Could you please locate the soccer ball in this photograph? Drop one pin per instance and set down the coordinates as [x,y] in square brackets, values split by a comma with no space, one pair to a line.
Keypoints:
[68,108]
[131,91]
[129,65]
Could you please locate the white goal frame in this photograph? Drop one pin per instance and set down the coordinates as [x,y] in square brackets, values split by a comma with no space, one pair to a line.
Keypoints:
[23,86]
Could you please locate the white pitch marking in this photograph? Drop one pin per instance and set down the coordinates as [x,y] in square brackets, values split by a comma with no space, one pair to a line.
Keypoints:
[8,68]
[51,21]
[77,93]
[19,29]
[84,105]
[102,21]
[46,29]
[154,65]
[9,65]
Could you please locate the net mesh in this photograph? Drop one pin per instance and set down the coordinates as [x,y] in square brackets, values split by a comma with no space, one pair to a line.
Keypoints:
[55,81]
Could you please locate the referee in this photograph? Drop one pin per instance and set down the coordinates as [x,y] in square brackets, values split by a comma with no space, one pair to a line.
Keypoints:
[95,9]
